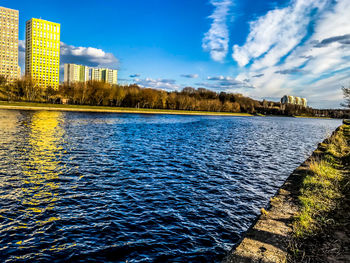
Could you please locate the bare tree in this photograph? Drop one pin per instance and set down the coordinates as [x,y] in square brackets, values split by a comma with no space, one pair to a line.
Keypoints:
[346,94]
[3,80]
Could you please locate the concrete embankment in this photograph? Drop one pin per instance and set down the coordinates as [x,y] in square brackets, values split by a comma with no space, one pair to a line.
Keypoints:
[273,236]
[268,239]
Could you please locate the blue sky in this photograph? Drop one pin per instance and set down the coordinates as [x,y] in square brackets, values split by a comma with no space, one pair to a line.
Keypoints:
[260,48]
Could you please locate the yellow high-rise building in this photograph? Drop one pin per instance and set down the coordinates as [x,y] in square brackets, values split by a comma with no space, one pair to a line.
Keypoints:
[43,52]
[9,44]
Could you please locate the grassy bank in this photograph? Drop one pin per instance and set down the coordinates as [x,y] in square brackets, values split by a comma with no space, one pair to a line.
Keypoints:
[87,108]
[321,226]
[311,117]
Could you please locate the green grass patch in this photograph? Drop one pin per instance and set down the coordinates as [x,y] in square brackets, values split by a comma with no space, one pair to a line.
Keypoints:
[260,115]
[310,117]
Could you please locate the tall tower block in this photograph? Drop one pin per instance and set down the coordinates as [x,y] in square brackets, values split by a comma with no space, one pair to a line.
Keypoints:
[43,52]
[9,44]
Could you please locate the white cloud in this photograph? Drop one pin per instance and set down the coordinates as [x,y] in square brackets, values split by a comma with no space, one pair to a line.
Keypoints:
[89,56]
[290,58]
[334,22]
[275,34]
[216,39]
[21,55]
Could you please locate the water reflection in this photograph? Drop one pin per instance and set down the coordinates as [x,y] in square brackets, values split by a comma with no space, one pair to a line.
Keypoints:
[9,128]
[41,170]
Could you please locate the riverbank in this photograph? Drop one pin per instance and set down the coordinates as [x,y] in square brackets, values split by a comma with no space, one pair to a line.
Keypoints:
[312,117]
[308,219]
[85,108]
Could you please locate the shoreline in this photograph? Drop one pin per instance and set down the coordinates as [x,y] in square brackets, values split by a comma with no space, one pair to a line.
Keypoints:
[106,109]
[273,236]
[312,117]
[4,105]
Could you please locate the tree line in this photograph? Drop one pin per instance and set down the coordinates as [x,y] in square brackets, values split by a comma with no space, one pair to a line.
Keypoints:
[103,94]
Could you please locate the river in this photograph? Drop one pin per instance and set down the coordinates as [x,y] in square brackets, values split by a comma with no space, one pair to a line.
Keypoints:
[140,188]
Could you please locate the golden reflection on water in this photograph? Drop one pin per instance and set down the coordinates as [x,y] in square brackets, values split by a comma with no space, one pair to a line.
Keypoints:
[42,168]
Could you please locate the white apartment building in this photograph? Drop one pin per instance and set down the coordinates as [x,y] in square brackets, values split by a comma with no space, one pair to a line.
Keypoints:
[111,76]
[80,73]
[104,74]
[76,73]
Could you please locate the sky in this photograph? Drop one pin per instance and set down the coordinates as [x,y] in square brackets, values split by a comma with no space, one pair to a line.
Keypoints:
[259,48]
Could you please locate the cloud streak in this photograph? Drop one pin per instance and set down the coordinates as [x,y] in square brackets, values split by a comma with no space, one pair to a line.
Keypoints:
[162,84]
[290,71]
[225,83]
[216,40]
[345,40]
[189,76]
[134,75]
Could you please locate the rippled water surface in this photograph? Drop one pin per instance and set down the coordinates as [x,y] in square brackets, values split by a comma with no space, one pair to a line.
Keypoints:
[140,188]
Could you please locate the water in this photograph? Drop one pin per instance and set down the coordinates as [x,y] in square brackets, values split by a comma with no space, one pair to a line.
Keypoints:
[140,188]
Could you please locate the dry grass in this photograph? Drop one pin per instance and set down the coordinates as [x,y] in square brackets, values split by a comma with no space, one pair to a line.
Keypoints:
[337,144]
[319,193]
[66,107]
[321,187]
[321,196]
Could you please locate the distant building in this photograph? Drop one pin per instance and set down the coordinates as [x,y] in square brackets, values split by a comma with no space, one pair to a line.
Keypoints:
[43,52]
[9,44]
[294,100]
[104,74]
[111,76]
[75,73]
[96,74]
[79,73]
